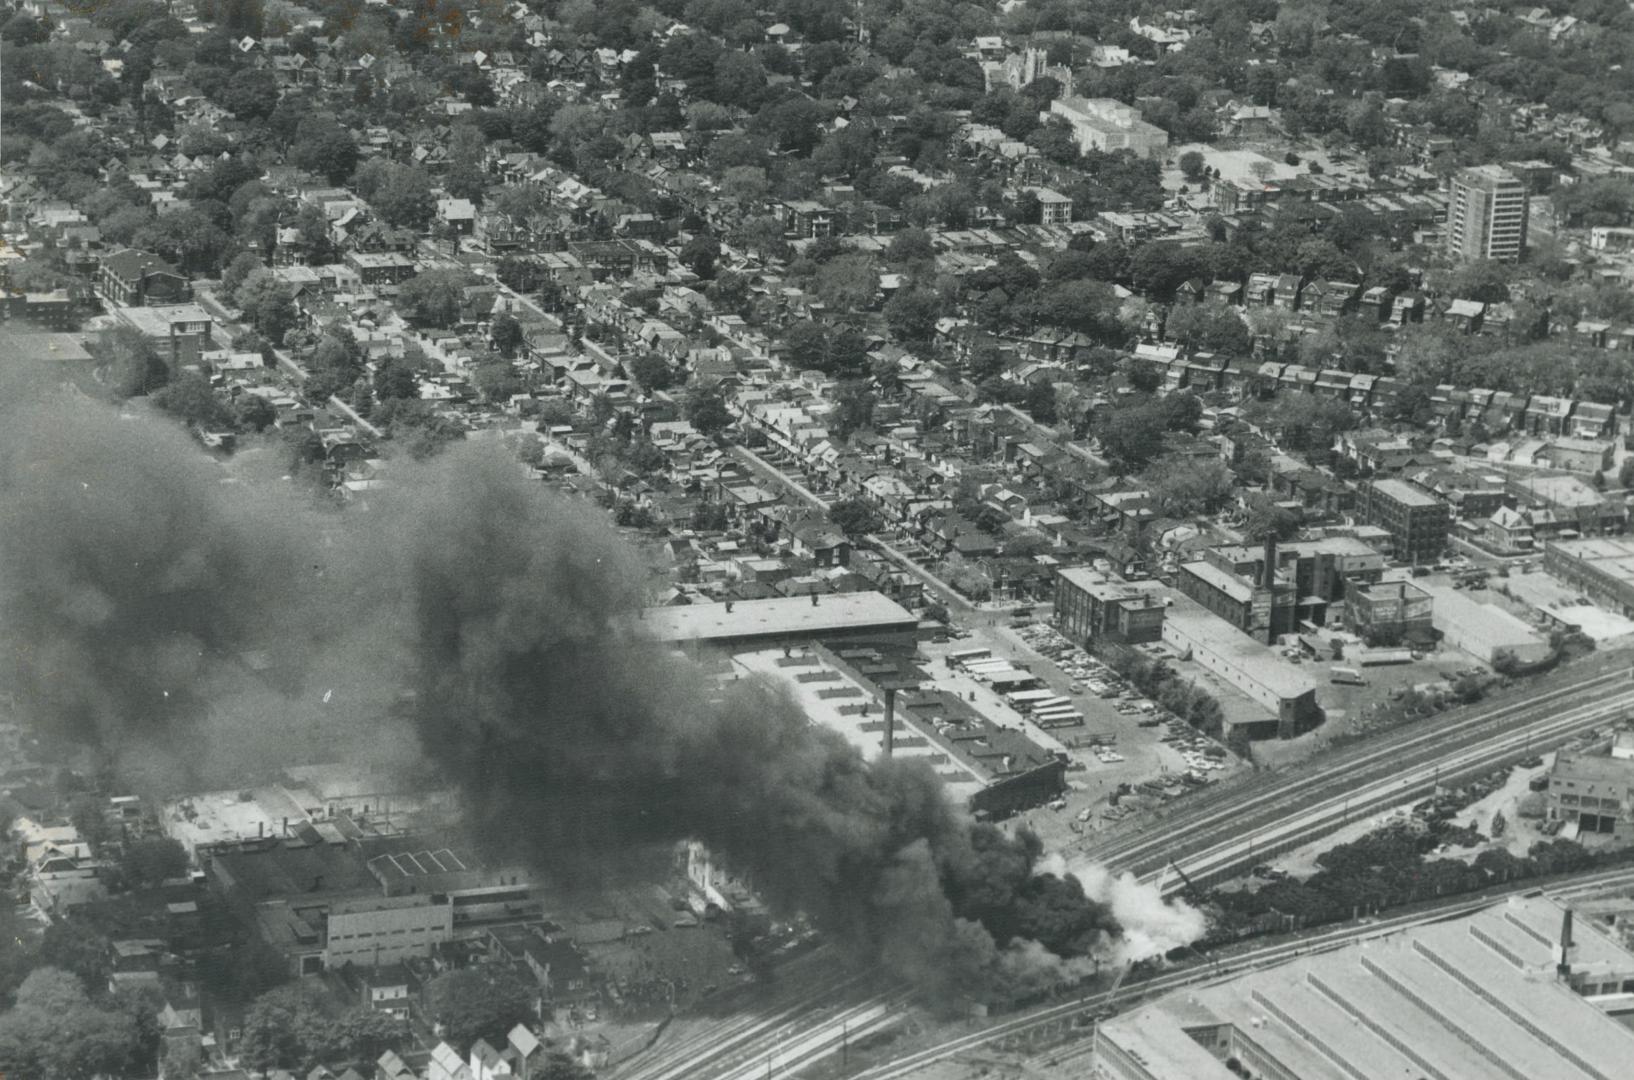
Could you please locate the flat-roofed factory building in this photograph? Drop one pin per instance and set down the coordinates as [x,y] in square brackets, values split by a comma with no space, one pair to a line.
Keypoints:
[1515,992]
[860,617]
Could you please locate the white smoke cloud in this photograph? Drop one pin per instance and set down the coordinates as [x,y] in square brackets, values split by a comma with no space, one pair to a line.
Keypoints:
[1151,925]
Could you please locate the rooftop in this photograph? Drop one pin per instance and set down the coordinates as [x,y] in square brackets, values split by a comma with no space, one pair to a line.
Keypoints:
[1233,586]
[1612,556]
[1252,657]
[1465,1000]
[1594,768]
[281,871]
[778,617]
[1098,585]
[1403,492]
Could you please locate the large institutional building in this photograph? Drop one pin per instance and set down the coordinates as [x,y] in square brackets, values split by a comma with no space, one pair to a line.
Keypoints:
[1490,997]
[1106,125]
[1486,215]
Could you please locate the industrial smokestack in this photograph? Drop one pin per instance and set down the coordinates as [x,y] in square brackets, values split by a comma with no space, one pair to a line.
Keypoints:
[890,721]
[1564,968]
[1268,576]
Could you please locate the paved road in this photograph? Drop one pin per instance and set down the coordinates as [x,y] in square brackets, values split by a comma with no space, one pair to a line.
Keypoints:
[778,477]
[946,593]
[208,302]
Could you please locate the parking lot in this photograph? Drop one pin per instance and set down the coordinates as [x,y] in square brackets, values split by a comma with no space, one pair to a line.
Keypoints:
[1127,755]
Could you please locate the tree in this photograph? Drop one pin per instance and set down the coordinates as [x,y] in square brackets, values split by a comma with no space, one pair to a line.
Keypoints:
[434,297]
[853,407]
[250,94]
[1304,422]
[191,399]
[77,950]
[1159,269]
[1192,165]
[24,29]
[324,147]
[477,1003]
[149,861]
[243,265]
[191,238]
[403,197]
[252,412]
[700,254]
[910,246]
[707,411]
[1040,402]
[54,1032]
[1483,280]
[506,333]
[134,366]
[267,303]
[394,379]
[814,346]
[651,372]
[912,313]
[848,283]
[1266,518]
[1131,436]
[855,518]
[1215,328]
[496,380]
[1089,307]
[1187,488]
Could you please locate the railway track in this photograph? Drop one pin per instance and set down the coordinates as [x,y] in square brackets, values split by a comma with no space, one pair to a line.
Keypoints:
[789,1016]
[1072,1015]
[1205,819]
[1401,787]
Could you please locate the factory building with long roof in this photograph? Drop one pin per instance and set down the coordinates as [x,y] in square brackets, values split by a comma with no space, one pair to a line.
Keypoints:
[757,624]
[1490,997]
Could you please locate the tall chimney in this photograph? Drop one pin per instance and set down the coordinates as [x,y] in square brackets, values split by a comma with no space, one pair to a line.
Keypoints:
[1564,968]
[1268,576]
[890,720]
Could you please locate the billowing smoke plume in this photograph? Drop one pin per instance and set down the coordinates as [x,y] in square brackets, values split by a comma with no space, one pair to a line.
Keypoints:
[1152,926]
[573,735]
[170,618]
[149,606]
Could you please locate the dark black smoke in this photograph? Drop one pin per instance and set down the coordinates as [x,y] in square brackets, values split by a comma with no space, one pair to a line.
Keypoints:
[576,738]
[156,610]
[171,618]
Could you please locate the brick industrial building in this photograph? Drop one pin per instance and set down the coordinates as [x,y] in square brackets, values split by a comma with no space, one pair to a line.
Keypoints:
[1418,522]
[1601,568]
[1312,578]
[1089,607]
